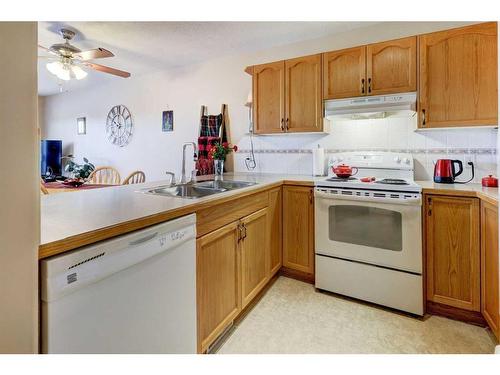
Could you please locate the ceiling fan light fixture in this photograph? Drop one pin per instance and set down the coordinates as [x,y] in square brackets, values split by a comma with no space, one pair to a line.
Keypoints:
[59,69]
[78,72]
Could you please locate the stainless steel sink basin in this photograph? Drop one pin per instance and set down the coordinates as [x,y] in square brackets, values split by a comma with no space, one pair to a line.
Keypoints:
[199,189]
[224,184]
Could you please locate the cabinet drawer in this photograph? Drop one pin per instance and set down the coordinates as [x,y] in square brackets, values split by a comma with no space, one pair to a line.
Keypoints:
[218,215]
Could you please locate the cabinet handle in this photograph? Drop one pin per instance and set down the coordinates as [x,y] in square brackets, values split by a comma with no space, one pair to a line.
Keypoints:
[244,229]
[282,125]
[369,85]
[240,232]
[423,117]
[362,85]
[311,196]
[286,125]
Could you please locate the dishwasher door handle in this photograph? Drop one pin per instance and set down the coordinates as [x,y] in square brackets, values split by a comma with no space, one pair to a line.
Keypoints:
[143,239]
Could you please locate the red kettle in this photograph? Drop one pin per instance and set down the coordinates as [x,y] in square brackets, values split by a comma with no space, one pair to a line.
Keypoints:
[445,172]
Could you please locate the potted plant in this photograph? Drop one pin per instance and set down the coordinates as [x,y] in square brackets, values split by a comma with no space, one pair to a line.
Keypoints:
[80,172]
[218,153]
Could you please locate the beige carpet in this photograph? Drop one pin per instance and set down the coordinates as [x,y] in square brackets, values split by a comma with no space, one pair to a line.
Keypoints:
[293,318]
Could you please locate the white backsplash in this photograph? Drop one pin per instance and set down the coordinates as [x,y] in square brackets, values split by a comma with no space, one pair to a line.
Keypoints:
[290,153]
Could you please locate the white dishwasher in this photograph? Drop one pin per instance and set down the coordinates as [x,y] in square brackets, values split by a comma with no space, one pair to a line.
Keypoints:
[132,294]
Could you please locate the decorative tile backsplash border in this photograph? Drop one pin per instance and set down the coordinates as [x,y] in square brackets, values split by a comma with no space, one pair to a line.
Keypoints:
[455,151]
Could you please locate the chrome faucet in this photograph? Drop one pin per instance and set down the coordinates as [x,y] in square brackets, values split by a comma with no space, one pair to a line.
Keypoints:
[172,177]
[195,158]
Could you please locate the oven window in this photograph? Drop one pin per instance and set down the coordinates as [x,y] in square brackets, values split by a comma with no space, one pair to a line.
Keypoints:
[367,226]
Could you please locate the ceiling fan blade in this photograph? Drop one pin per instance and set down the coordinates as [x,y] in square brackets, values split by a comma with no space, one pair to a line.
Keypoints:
[107,69]
[47,50]
[96,53]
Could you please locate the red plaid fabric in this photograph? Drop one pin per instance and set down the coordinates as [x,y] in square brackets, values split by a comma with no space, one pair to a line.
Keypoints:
[210,125]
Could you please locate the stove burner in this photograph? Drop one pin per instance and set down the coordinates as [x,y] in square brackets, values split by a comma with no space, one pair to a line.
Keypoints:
[340,179]
[392,181]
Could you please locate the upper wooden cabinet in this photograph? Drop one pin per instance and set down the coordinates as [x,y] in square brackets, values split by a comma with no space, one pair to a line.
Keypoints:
[268,82]
[489,267]
[287,96]
[344,73]
[303,97]
[375,69]
[391,67]
[452,251]
[458,77]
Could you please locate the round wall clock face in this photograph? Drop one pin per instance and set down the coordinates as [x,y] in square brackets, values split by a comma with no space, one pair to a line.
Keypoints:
[119,125]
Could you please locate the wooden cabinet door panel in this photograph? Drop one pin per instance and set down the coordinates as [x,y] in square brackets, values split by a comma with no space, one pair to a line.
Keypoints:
[344,73]
[453,255]
[489,266]
[254,255]
[298,228]
[303,97]
[268,82]
[218,287]
[458,77]
[276,230]
[391,67]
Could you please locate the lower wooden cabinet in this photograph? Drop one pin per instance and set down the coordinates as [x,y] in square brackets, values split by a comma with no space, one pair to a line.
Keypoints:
[218,282]
[276,230]
[452,251]
[255,255]
[232,268]
[298,228]
[489,266]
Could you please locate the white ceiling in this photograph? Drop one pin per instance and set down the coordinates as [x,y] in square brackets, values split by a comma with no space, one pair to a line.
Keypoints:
[140,47]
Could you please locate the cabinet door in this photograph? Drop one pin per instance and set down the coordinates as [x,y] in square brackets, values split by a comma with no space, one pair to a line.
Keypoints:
[391,67]
[275,230]
[298,228]
[458,77]
[268,82]
[254,255]
[489,266]
[218,291]
[304,102]
[453,255]
[344,73]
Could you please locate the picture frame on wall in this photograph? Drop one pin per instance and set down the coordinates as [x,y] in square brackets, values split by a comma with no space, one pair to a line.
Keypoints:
[167,121]
[81,126]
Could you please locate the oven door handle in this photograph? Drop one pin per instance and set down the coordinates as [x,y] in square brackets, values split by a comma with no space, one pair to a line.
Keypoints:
[416,201]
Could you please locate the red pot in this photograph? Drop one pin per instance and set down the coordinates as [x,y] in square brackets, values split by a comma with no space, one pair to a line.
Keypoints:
[489,181]
[344,171]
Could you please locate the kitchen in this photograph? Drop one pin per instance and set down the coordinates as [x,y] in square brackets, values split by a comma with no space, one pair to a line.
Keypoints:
[327,199]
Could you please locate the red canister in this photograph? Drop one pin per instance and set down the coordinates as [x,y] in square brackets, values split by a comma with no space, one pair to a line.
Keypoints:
[489,181]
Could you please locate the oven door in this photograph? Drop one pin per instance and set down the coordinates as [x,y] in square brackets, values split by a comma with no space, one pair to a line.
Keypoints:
[379,231]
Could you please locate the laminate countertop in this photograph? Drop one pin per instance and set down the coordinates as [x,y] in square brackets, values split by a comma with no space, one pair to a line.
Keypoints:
[471,190]
[72,220]
[69,221]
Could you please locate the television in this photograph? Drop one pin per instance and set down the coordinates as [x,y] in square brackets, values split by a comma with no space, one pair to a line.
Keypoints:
[51,157]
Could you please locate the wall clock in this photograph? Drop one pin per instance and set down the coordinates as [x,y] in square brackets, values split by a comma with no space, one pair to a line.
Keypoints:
[119,125]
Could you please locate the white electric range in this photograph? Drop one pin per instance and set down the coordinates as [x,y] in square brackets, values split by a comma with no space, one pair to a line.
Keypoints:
[368,236]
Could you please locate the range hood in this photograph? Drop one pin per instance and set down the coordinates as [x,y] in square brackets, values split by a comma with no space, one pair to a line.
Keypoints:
[379,106]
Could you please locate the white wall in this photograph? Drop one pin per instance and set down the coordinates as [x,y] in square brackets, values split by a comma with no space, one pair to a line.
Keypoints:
[211,83]
[19,189]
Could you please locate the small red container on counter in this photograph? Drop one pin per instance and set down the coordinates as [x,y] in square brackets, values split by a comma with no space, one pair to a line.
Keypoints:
[489,181]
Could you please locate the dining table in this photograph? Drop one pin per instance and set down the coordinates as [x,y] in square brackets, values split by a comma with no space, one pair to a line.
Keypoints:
[59,187]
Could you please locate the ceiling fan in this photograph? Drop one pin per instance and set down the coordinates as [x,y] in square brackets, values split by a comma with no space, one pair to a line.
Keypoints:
[68,60]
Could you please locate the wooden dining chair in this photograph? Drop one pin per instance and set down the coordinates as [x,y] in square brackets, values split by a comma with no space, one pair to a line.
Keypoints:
[137,177]
[105,176]
[43,189]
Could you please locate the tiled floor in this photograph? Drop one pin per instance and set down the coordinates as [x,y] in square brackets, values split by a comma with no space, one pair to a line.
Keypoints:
[293,318]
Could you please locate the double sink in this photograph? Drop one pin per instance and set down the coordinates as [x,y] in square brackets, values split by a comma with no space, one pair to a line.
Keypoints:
[198,189]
